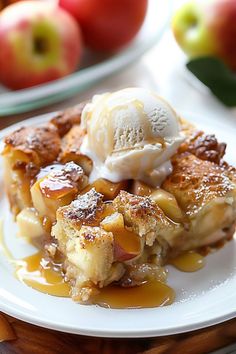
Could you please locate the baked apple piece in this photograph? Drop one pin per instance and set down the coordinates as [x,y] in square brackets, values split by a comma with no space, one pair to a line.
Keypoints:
[56,186]
[108,189]
[127,244]
[25,151]
[162,198]
[88,249]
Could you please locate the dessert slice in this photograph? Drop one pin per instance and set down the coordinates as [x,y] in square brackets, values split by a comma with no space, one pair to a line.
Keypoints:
[206,193]
[25,151]
[117,241]
[88,249]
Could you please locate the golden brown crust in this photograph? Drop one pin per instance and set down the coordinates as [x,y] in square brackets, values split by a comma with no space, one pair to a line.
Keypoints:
[146,219]
[196,182]
[84,210]
[64,120]
[205,147]
[229,170]
[138,207]
[40,144]
[70,149]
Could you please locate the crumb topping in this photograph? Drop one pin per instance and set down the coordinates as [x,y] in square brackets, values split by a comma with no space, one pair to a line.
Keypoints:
[42,143]
[195,182]
[85,208]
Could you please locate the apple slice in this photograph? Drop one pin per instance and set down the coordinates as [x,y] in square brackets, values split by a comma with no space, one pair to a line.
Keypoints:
[141,188]
[57,188]
[29,224]
[168,203]
[109,189]
[127,244]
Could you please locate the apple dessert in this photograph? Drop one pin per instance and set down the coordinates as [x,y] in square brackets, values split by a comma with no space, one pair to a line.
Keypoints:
[117,188]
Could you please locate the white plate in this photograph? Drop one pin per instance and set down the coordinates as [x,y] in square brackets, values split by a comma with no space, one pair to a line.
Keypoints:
[93,68]
[203,298]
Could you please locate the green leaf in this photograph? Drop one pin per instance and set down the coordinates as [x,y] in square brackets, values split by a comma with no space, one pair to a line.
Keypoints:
[217,76]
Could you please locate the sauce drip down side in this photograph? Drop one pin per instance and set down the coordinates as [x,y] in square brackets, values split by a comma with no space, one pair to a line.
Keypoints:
[42,275]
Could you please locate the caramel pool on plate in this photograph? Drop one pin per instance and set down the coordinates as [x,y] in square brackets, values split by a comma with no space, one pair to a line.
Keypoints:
[188,261]
[46,277]
[39,274]
[150,294]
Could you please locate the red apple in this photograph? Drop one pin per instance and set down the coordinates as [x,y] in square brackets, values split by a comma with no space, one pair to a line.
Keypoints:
[107,25]
[39,42]
[207,28]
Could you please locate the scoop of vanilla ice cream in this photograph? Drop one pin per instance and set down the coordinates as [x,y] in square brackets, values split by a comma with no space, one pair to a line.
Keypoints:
[131,134]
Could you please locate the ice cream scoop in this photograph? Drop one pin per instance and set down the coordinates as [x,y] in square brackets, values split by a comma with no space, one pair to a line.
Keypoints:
[131,134]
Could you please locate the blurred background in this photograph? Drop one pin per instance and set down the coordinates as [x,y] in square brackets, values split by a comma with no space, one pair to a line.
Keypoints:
[148,57]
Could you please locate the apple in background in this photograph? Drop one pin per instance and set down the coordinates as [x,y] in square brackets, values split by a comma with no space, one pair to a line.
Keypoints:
[207,28]
[4,3]
[107,25]
[39,42]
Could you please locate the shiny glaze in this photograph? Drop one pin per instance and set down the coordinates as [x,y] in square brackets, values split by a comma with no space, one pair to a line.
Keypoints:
[150,294]
[188,261]
[36,272]
[42,275]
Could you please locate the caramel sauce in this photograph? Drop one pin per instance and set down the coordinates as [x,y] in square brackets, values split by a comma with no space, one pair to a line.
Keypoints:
[109,189]
[56,187]
[189,261]
[127,244]
[150,294]
[42,275]
[6,331]
[36,272]
[142,189]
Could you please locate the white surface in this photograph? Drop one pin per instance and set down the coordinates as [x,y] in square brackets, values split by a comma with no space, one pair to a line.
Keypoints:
[203,298]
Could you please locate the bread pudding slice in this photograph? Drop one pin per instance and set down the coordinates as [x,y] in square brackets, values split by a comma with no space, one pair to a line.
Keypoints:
[124,231]
[25,151]
[107,242]
[88,249]
[206,192]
